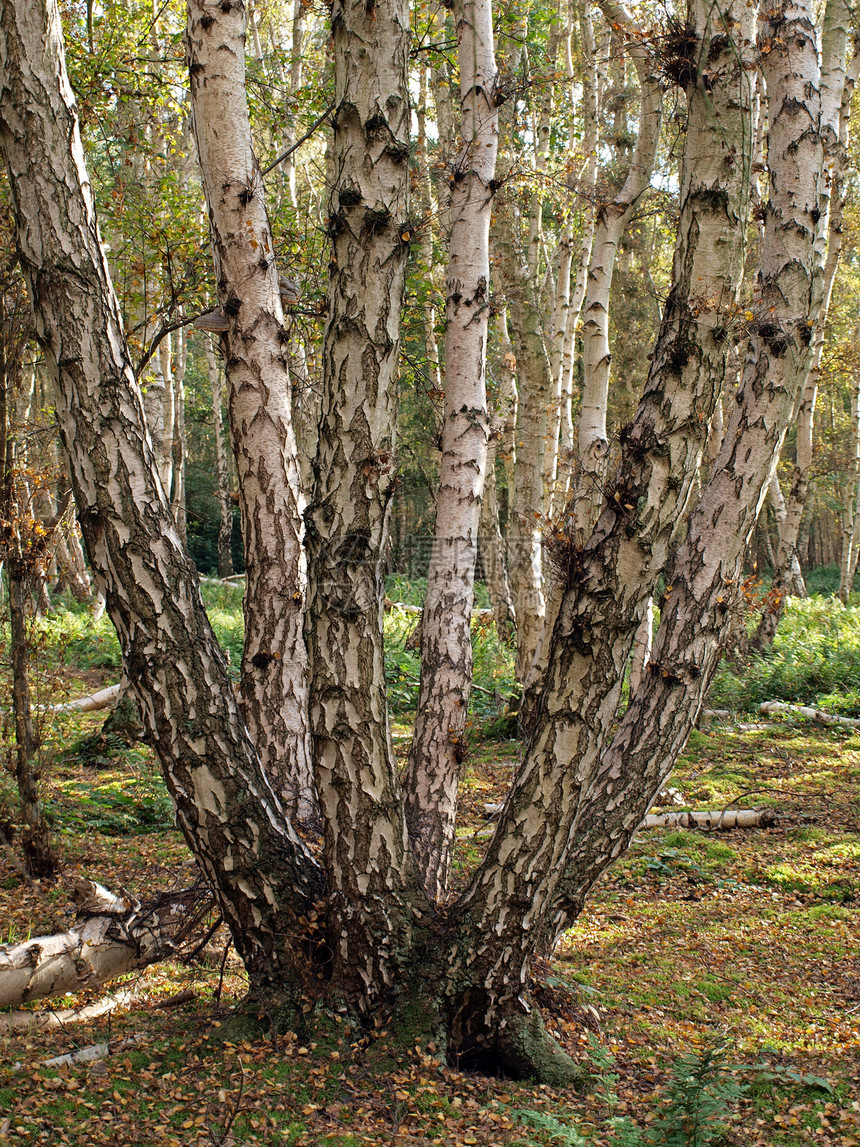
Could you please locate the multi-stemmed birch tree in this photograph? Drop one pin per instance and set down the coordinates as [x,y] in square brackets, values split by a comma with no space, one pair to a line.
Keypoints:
[350,914]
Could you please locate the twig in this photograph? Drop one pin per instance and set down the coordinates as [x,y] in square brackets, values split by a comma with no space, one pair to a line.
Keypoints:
[299,142]
[163,331]
[199,948]
[221,972]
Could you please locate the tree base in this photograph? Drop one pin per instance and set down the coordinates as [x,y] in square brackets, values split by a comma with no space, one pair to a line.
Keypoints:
[518,1047]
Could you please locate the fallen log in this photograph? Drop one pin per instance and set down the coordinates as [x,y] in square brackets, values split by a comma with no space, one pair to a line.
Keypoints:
[722,819]
[709,821]
[113,935]
[27,1021]
[102,699]
[480,614]
[818,715]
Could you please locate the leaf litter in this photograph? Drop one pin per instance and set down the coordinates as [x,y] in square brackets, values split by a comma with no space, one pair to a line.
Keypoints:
[746,940]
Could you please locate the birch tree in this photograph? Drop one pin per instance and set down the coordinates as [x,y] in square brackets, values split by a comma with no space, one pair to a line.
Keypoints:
[446,643]
[351,921]
[274,658]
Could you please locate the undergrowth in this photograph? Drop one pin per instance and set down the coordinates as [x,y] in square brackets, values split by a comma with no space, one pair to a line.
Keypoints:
[815,660]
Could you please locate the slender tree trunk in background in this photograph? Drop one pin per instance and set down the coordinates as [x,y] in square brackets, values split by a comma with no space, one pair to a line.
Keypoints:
[502,404]
[295,82]
[592,445]
[505,400]
[438,742]
[525,557]
[177,445]
[555,483]
[592,77]
[836,89]
[441,87]
[225,502]
[427,209]
[274,660]
[492,547]
[850,517]
[541,141]
[166,421]
[35,837]
[70,563]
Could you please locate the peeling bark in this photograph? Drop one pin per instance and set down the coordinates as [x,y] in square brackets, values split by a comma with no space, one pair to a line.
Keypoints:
[373,881]
[438,742]
[274,658]
[262,873]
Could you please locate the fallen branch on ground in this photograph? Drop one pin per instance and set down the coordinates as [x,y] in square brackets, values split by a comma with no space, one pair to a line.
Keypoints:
[714,819]
[113,935]
[103,699]
[721,819]
[60,1018]
[817,715]
[480,614]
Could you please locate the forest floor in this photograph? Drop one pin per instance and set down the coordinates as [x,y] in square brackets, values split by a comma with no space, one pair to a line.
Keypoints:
[713,979]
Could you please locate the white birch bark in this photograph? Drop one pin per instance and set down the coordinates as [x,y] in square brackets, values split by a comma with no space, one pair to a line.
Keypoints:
[591,91]
[438,742]
[592,446]
[541,825]
[113,936]
[525,555]
[428,213]
[837,86]
[373,883]
[696,615]
[274,659]
[176,668]
[177,445]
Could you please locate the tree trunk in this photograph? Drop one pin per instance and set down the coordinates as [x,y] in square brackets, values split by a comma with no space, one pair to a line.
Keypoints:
[525,557]
[19,563]
[592,445]
[696,614]
[835,116]
[176,668]
[438,742]
[608,581]
[225,504]
[582,787]
[177,444]
[373,881]
[274,658]
[493,553]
